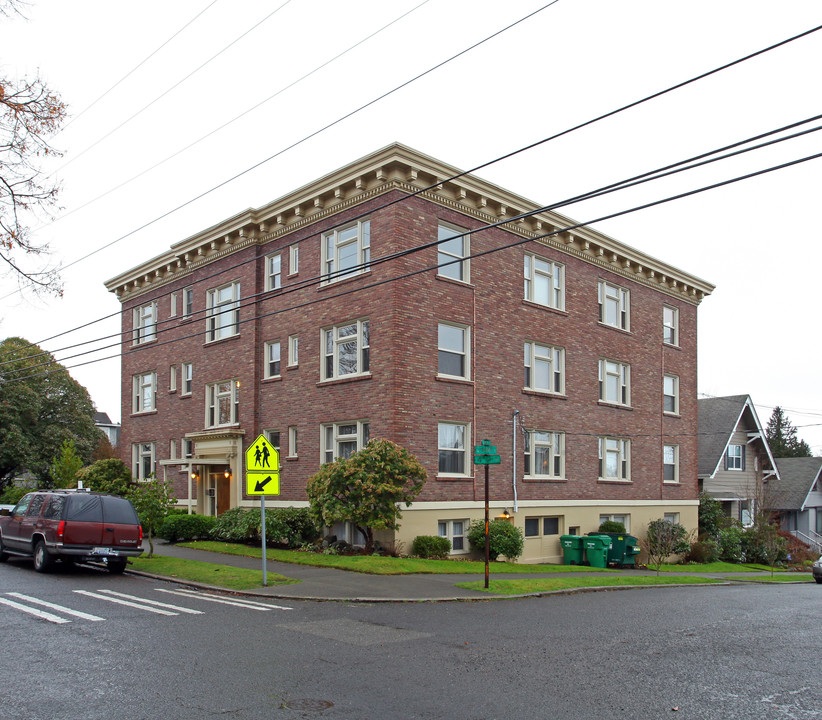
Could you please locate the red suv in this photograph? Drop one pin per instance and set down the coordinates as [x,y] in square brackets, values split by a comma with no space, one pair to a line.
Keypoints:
[71,526]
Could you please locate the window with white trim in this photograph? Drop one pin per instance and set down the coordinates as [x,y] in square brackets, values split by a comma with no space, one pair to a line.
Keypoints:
[222,403]
[293,350]
[735,457]
[142,460]
[188,301]
[544,368]
[457,533]
[346,350]
[293,259]
[544,282]
[172,449]
[187,374]
[614,458]
[452,439]
[272,359]
[273,271]
[624,519]
[614,305]
[454,245]
[670,325]
[273,436]
[173,305]
[670,463]
[544,456]
[670,394]
[145,392]
[144,323]
[614,382]
[346,251]
[343,439]
[223,311]
[671,517]
[187,448]
[172,378]
[292,441]
[452,351]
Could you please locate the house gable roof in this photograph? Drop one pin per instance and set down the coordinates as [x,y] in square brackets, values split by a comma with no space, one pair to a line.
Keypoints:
[796,478]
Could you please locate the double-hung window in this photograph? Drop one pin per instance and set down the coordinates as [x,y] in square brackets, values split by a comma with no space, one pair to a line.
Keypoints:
[145,392]
[342,440]
[670,325]
[222,403]
[452,253]
[670,463]
[293,259]
[544,368]
[273,272]
[614,458]
[187,377]
[346,251]
[347,350]
[223,311]
[142,460]
[735,457]
[614,382]
[544,282]
[144,323]
[272,359]
[457,533]
[452,351]
[451,444]
[188,301]
[544,457]
[614,306]
[670,394]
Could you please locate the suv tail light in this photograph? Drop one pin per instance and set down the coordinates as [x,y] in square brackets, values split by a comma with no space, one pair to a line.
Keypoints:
[141,534]
[61,529]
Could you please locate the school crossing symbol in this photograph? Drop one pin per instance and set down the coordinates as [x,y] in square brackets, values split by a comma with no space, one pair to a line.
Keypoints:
[262,468]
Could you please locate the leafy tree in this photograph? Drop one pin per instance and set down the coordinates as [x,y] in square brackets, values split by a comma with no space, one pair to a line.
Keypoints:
[152,499]
[29,114]
[41,405]
[366,488]
[504,538]
[66,465]
[664,539]
[711,517]
[782,439]
[108,476]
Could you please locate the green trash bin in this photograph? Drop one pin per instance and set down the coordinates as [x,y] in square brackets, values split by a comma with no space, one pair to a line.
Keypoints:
[572,549]
[624,549]
[596,550]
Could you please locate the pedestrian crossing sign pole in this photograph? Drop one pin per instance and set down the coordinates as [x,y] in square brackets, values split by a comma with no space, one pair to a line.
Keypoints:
[262,477]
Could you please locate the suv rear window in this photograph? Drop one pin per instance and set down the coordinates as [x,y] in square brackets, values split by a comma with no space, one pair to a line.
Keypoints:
[119,511]
[84,508]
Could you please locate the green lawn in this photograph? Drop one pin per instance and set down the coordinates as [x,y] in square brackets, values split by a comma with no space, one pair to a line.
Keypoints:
[505,586]
[717,567]
[222,576]
[798,577]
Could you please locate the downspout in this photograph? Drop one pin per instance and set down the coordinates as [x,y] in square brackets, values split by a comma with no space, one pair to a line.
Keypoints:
[514,461]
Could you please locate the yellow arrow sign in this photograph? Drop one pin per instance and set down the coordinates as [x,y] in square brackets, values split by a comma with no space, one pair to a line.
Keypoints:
[262,468]
[262,483]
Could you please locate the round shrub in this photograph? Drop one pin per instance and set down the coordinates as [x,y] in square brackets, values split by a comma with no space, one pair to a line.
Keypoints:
[703,551]
[292,527]
[612,526]
[504,538]
[180,528]
[729,541]
[431,546]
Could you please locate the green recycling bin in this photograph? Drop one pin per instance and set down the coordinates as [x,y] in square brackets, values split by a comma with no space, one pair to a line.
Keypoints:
[624,549]
[596,550]
[572,549]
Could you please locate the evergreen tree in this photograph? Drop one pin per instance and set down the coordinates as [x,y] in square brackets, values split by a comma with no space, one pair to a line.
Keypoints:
[782,439]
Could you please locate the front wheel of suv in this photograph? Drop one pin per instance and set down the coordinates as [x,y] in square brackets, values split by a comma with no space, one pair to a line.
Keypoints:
[42,557]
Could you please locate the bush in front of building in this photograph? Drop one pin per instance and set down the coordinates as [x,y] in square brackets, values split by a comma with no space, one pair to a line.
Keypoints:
[729,541]
[182,528]
[703,551]
[612,526]
[289,526]
[504,538]
[431,547]
[107,476]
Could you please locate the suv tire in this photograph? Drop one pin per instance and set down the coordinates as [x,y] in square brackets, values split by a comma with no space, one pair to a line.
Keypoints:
[42,558]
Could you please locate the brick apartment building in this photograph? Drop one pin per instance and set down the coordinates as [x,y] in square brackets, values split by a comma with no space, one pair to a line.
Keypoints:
[332,316]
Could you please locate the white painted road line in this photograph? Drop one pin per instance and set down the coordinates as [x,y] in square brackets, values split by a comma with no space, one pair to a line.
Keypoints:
[53,606]
[125,602]
[153,602]
[249,604]
[33,611]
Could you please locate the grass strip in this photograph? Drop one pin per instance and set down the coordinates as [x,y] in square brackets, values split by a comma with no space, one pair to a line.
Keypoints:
[717,567]
[223,576]
[804,577]
[516,586]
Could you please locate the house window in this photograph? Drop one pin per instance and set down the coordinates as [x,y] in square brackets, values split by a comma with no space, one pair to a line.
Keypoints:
[614,306]
[188,301]
[172,449]
[544,368]
[457,533]
[670,394]
[292,441]
[273,272]
[222,403]
[293,350]
[452,356]
[342,440]
[614,382]
[614,458]
[670,325]
[272,359]
[451,442]
[624,519]
[172,378]
[544,455]
[223,311]
[346,251]
[735,457]
[670,463]
[173,305]
[145,389]
[273,436]
[544,282]
[347,350]
[142,456]
[145,323]
[671,517]
[547,526]
[453,246]
[293,259]
[187,375]
[187,447]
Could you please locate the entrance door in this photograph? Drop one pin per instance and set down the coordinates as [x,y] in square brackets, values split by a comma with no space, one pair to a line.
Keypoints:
[223,492]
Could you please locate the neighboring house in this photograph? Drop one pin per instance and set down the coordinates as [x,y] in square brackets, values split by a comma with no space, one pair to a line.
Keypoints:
[735,463]
[111,429]
[331,316]
[797,497]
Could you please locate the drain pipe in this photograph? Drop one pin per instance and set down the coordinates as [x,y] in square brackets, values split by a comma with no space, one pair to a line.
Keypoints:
[514,462]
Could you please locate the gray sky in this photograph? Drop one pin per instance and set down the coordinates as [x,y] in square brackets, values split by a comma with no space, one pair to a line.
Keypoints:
[757,241]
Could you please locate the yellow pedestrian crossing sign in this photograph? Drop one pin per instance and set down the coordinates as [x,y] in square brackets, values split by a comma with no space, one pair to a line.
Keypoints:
[262,468]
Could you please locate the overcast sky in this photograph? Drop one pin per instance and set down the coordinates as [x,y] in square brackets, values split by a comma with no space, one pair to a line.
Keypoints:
[234,85]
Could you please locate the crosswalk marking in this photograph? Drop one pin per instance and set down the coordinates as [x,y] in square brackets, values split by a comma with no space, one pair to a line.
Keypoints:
[249,604]
[53,606]
[33,611]
[153,602]
[128,603]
